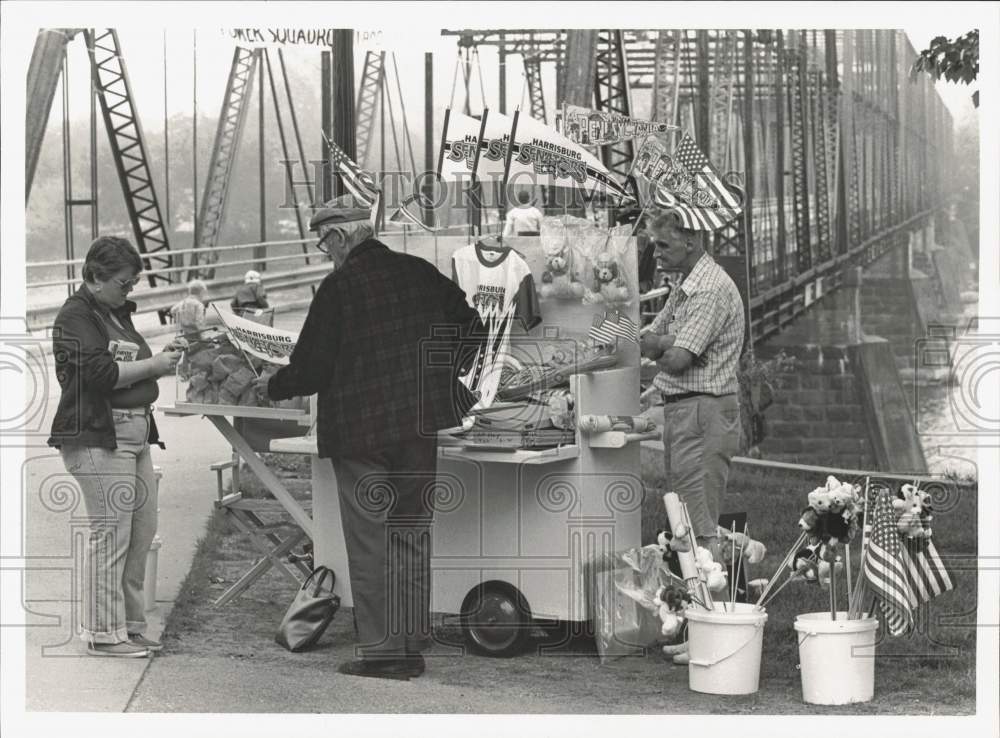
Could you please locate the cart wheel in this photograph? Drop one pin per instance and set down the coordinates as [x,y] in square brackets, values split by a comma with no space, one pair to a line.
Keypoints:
[496,620]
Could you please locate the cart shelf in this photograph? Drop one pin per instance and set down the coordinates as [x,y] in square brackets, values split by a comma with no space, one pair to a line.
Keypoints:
[510,456]
[234,411]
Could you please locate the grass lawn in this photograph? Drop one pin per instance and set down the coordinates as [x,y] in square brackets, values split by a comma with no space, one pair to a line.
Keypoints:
[931,672]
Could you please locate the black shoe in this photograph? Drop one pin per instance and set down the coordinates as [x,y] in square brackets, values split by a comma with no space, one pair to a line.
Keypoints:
[415,663]
[401,669]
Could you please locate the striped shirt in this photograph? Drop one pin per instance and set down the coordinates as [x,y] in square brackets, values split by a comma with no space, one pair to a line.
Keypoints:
[705,315]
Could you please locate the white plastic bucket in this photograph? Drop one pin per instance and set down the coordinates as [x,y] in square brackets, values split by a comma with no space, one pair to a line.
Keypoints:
[836,658]
[724,648]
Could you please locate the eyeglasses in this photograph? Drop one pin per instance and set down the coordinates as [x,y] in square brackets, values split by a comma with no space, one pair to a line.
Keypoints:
[126,285]
[323,244]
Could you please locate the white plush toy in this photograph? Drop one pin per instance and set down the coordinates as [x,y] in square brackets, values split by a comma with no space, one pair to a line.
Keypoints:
[714,574]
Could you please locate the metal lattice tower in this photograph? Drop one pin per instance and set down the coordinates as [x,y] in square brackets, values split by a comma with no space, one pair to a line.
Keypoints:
[227,139]
[128,148]
[666,76]
[723,89]
[821,161]
[798,105]
[613,94]
[369,94]
[536,96]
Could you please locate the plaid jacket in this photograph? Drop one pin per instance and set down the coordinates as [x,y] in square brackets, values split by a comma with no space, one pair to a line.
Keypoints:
[382,344]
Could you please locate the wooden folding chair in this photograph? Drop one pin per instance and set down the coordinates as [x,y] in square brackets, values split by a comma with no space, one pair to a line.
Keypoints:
[246,515]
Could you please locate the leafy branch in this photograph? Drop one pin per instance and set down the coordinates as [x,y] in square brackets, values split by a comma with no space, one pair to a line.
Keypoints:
[955,61]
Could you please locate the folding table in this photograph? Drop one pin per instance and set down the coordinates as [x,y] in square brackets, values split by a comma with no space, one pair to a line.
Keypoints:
[246,513]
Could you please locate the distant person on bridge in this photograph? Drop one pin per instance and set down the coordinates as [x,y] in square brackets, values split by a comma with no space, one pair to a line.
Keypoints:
[250,295]
[189,313]
[523,220]
[696,340]
[103,428]
[381,404]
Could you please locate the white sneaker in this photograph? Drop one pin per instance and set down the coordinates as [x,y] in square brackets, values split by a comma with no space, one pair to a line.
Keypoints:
[682,659]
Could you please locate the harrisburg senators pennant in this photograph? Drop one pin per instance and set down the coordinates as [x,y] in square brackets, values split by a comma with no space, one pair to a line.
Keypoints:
[539,154]
[601,127]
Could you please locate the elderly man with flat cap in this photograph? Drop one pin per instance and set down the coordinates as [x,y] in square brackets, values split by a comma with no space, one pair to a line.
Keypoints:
[379,410]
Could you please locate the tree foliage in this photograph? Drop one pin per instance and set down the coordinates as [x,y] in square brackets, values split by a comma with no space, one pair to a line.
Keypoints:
[956,60]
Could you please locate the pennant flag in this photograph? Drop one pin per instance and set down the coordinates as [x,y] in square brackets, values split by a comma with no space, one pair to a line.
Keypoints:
[884,570]
[273,345]
[404,216]
[607,328]
[540,155]
[601,127]
[687,182]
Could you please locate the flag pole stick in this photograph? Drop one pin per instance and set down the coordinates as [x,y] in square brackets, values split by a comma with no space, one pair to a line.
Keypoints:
[833,589]
[507,159]
[847,568]
[732,560]
[444,139]
[474,186]
[739,565]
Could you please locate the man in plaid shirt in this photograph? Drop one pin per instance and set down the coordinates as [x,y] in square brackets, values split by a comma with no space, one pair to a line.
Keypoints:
[382,398]
[696,340]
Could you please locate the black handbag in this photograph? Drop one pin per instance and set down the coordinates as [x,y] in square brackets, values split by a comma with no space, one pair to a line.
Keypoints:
[310,613]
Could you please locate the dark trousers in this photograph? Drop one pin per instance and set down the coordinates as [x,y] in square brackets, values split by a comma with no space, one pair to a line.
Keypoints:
[386,509]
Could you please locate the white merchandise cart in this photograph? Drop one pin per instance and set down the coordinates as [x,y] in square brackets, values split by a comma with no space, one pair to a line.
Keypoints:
[514,532]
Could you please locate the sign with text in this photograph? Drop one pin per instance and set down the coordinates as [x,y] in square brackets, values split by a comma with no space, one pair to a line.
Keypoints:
[273,345]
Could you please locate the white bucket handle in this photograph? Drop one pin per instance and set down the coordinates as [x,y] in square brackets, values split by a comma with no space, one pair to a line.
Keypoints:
[747,642]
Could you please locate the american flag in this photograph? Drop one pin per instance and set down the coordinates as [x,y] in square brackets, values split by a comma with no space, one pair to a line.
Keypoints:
[884,569]
[692,187]
[357,181]
[607,328]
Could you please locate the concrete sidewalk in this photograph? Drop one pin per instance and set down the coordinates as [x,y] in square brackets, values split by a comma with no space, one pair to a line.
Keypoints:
[60,676]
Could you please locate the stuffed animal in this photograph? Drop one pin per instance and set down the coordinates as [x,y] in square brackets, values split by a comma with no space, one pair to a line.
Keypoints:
[808,519]
[671,601]
[671,544]
[912,512]
[558,280]
[804,563]
[753,551]
[609,286]
[819,500]
[824,567]
[715,576]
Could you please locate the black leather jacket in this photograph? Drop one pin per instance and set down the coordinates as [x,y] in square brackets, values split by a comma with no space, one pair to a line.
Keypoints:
[87,373]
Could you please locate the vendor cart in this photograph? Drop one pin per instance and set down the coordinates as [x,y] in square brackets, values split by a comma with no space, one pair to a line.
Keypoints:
[516,530]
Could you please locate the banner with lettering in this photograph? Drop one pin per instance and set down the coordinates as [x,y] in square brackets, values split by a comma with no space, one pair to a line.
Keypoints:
[685,181]
[589,127]
[541,155]
[261,38]
[273,345]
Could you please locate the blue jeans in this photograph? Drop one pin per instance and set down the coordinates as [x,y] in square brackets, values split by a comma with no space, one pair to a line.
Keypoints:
[120,496]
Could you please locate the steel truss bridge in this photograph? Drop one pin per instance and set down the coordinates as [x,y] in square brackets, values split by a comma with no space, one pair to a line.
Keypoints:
[840,154]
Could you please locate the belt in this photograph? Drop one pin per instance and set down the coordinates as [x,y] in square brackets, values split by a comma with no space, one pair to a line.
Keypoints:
[667,399]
